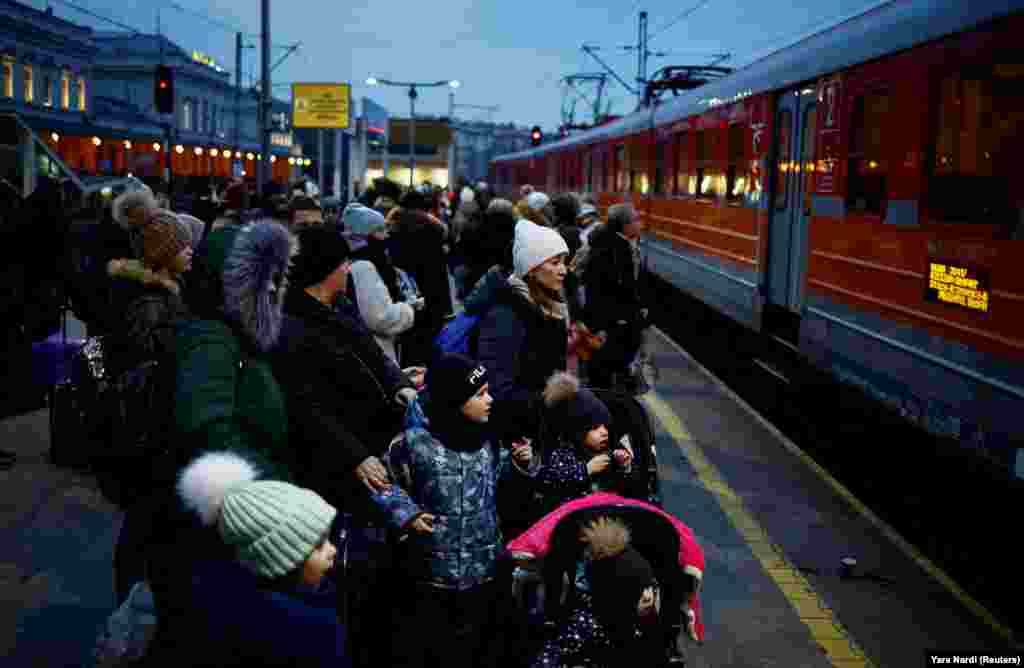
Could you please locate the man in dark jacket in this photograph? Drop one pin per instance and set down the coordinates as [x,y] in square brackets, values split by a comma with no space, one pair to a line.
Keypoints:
[346,401]
[345,397]
[614,295]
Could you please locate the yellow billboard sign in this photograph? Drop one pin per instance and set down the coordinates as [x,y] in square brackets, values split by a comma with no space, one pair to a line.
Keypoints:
[321,105]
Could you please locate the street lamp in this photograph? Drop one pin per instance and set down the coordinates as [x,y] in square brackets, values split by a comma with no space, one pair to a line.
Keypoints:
[412,86]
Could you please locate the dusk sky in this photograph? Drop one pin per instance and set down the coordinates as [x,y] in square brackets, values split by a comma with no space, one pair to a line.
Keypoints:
[509,54]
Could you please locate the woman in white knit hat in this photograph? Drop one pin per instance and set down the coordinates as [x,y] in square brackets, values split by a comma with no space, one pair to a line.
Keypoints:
[267,605]
[522,338]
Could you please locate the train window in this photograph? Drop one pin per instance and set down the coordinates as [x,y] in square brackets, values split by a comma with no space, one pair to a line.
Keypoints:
[659,166]
[782,163]
[980,134]
[866,188]
[620,168]
[703,185]
[682,170]
[807,144]
[735,177]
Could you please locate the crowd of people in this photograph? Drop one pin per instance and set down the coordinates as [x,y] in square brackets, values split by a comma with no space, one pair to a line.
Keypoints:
[292,396]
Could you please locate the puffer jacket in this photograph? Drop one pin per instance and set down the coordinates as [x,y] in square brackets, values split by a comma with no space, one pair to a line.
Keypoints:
[460,489]
[226,396]
[521,346]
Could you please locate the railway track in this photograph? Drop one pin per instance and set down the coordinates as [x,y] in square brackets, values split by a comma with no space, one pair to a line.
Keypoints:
[954,506]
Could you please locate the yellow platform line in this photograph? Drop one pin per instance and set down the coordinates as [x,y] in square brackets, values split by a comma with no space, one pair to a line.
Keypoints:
[842,651]
[908,549]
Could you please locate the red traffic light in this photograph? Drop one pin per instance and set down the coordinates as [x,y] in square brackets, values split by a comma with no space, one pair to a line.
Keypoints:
[535,135]
[163,84]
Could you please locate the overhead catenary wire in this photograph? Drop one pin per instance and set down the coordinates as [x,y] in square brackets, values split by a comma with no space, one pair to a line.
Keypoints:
[678,18]
[89,12]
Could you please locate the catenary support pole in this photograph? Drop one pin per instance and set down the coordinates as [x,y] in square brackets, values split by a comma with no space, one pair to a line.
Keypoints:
[412,135]
[263,170]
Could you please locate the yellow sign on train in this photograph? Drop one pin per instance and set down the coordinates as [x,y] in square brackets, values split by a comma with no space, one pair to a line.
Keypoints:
[321,105]
[963,286]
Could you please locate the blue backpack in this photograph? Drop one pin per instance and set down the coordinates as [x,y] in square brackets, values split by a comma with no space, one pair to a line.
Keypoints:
[457,335]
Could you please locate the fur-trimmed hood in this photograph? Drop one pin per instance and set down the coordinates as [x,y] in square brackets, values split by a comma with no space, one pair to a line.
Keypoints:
[242,276]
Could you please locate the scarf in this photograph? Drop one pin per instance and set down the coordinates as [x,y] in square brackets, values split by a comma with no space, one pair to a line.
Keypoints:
[453,430]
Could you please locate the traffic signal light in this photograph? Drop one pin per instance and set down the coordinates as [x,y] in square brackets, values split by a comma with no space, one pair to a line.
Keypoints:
[164,91]
[536,135]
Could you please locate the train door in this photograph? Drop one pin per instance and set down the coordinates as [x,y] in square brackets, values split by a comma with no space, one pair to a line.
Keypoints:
[795,125]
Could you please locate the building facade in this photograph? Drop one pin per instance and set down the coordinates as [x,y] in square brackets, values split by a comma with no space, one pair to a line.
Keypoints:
[433,137]
[77,103]
[477,143]
[45,90]
[214,130]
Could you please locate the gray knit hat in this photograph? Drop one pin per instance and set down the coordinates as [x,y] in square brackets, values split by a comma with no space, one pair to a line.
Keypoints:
[274,526]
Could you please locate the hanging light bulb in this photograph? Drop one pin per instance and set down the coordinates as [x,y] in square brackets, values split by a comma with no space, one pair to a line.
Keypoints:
[156,146]
[54,136]
[127,144]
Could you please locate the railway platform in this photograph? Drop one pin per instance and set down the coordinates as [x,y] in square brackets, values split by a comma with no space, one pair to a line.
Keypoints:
[775,529]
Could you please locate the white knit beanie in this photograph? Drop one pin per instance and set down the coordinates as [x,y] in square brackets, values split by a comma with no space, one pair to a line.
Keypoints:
[534,245]
[362,220]
[274,526]
[537,200]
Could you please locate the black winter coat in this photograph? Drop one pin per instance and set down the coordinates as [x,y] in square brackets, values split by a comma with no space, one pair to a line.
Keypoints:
[614,291]
[340,391]
[417,247]
[521,347]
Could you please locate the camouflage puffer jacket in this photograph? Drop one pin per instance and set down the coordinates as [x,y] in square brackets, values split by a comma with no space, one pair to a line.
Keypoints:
[460,490]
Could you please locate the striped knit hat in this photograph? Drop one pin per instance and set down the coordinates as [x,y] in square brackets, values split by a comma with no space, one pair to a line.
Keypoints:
[274,526]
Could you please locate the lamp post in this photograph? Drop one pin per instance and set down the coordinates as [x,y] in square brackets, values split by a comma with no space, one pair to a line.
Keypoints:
[412,86]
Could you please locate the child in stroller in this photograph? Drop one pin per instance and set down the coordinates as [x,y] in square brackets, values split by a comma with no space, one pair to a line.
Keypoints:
[589,449]
[620,581]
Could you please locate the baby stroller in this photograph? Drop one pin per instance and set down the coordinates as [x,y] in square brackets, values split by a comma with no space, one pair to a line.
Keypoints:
[548,553]
[629,420]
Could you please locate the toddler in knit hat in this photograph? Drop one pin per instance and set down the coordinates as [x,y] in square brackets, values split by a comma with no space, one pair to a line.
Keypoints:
[277,530]
[584,459]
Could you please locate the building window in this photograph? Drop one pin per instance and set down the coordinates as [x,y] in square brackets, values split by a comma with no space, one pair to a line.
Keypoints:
[81,94]
[8,79]
[47,90]
[979,125]
[65,91]
[29,87]
[186,115]
[867,164]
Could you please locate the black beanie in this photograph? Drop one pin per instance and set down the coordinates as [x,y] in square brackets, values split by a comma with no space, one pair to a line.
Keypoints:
[321,251]
[576,410]
[453,379]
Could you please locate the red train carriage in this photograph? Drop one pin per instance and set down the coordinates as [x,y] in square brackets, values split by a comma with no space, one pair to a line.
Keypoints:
[854,189]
